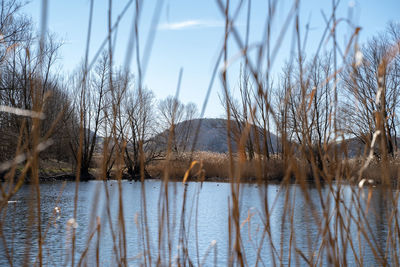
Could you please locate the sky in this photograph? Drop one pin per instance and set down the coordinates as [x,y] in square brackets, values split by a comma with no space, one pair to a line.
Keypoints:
[189,35]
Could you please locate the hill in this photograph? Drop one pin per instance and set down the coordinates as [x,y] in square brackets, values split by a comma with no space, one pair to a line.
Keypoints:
[212,136]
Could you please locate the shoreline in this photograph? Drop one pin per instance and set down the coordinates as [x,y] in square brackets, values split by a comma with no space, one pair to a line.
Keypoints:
[69,177]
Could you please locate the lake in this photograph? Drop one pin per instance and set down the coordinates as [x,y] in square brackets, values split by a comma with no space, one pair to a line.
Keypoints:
[360,221]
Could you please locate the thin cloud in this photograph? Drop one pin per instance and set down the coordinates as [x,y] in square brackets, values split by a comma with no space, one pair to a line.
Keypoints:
[190,24]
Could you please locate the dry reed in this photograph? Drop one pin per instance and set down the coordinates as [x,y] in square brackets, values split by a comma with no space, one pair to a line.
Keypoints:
[339,218]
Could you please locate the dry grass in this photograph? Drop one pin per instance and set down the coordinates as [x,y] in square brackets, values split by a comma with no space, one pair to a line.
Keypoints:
[215,166]
[373,172]
[340,215]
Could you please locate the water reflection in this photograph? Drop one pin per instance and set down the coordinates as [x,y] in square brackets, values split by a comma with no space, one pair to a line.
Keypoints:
[278,225]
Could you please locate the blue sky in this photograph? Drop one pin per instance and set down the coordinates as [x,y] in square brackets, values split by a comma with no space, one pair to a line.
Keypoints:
[190,33]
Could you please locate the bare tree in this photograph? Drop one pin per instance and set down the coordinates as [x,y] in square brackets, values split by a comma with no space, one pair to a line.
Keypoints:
[171,111]
[282,108]
[305,108]
[91,89]
[186,128]
[140,121]
[371,85]
[29,82]
[14,27]
[177,118]
[243,115]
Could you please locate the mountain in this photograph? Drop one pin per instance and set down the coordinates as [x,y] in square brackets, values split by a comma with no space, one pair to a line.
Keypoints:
[212,136]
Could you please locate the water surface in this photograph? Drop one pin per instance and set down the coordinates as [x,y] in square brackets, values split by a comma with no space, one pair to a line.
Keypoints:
[294,224]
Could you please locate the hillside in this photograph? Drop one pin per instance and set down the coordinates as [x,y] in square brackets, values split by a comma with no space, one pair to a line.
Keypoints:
[212,136]
[353,147]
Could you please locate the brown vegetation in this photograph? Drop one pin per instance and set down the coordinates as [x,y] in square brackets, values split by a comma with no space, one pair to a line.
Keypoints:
[213,166]
[103,115]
